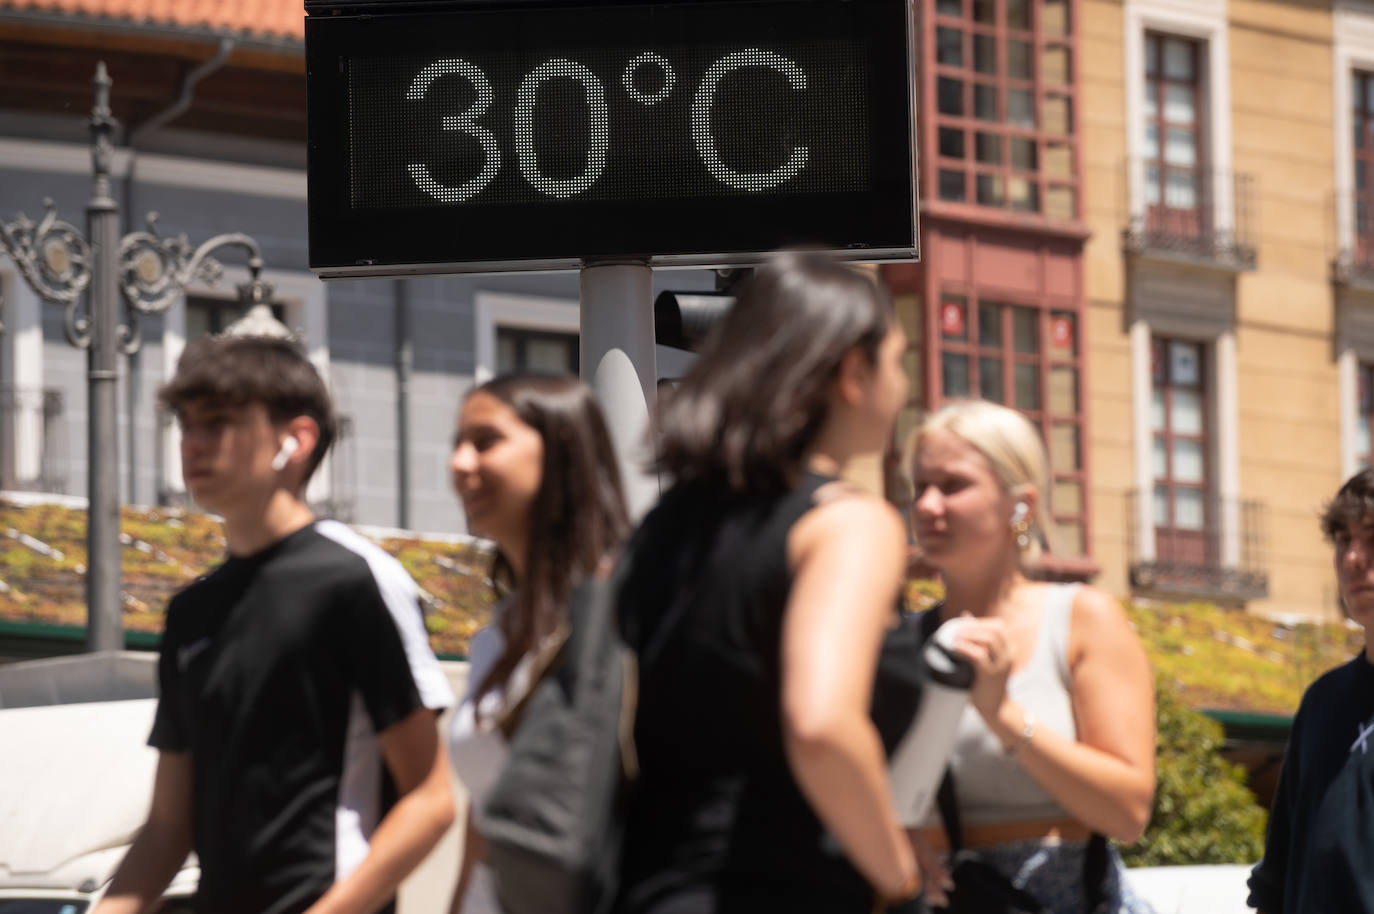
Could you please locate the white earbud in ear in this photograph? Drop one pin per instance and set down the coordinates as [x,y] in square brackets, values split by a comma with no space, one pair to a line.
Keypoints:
[288,447]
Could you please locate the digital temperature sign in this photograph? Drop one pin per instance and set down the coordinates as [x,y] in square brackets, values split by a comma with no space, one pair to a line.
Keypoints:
[468,137]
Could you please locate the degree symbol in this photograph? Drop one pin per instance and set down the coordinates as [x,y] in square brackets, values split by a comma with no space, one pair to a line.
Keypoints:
[669,77]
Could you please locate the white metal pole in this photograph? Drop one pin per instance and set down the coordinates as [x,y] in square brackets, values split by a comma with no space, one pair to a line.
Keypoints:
[617,360]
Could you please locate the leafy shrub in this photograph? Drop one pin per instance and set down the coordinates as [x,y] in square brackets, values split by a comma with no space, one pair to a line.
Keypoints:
[1203,811]
[1219,658]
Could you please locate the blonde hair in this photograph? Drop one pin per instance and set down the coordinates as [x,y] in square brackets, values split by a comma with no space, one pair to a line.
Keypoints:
[1011,446]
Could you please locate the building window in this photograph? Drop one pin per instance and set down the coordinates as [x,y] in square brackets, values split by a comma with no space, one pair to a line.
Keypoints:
[1363,95]
[1175,181]
[1182,506]
[208,316]
[539,351]
[911,312]
[1004,100]
[1027,357]
[1363,436]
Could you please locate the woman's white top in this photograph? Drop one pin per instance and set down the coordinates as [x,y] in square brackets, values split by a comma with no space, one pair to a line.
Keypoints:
[479,751]
[990,785]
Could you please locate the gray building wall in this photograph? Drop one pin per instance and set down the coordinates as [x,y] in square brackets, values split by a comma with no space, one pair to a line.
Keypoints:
[362,344]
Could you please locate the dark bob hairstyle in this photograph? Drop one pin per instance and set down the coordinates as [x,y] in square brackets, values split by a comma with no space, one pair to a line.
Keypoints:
[751,407]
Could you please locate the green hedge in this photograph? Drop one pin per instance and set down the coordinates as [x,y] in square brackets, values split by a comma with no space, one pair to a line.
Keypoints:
[1203,810]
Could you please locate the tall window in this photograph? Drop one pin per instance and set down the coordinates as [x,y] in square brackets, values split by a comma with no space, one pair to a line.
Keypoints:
[1005,105]
[1182,506]
[1364,445]
[540,351]
[1176,186]
[1026,357]
[1364,164]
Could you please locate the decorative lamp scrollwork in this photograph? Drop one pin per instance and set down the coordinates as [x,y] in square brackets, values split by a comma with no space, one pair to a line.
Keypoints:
[55,261]
[155,271]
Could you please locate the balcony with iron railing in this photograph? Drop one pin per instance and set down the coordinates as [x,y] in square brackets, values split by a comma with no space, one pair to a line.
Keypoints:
[1198,215]
[33,440]
[1352,261]
[1220,559]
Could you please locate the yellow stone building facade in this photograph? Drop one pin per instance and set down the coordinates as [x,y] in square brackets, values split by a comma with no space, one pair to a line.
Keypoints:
[1177,196]
[1225,397]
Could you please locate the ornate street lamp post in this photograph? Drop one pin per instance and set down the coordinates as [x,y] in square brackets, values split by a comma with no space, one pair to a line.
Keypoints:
[149,273]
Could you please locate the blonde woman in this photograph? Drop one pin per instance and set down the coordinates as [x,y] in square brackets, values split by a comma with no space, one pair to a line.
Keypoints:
[1058,741]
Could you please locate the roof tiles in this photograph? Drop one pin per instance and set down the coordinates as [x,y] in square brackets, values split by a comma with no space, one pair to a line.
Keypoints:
[267,18]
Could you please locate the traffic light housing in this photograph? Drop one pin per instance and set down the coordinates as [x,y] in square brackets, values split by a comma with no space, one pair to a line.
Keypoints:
[682,320]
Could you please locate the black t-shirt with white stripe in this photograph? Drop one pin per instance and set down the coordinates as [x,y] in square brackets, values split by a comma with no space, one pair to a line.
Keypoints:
[277,671]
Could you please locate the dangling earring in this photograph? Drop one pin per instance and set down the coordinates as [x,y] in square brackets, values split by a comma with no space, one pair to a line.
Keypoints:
[1020,524]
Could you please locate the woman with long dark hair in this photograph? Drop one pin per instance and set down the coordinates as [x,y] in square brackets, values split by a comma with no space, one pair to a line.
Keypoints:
[757,600]
[535,470]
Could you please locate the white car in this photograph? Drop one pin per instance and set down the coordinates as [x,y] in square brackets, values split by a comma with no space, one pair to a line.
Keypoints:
[1218,889]
[76,779]
[75,782]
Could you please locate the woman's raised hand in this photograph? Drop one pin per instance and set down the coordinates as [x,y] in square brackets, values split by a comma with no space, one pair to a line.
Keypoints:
[984,642]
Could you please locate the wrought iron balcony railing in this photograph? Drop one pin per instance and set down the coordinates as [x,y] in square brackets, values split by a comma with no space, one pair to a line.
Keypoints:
[33,440]
[1353,259]
[1196,213]
[1222,558]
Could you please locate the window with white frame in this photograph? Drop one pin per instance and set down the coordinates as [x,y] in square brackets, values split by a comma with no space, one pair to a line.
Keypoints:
[1181,447]
[514,332]
[1362,118]
[1365,420]
[33,434]
[1184,196]
[1177,190]
[522,349]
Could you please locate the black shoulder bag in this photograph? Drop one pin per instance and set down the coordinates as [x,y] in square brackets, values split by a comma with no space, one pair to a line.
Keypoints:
[554,819]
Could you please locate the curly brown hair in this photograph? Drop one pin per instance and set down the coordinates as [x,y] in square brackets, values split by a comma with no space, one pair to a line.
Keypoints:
[1351,508]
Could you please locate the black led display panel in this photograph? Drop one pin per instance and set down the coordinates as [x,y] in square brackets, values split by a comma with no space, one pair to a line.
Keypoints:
[462,137]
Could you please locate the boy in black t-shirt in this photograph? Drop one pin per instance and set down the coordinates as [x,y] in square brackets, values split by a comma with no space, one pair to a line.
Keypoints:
[1321,826]
[298,689]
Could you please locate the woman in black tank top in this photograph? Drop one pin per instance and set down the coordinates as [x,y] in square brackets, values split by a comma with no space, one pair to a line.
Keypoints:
[760,592]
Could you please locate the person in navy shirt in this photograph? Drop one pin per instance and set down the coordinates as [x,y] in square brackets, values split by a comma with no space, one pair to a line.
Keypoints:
[1321,826]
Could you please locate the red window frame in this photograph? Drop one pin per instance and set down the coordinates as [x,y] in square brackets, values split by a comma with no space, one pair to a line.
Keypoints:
[987,336]
[1167,212]
[1362,93]
[1175,543]
[985,54]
